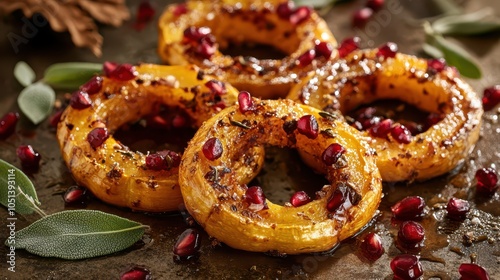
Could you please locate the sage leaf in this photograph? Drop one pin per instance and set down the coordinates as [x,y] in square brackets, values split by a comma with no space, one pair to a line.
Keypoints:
[36,101]
[70,75]
[432,51]
[24,73]
[79,234]
[448,7]
[458,57]
[17,192]
[467,24]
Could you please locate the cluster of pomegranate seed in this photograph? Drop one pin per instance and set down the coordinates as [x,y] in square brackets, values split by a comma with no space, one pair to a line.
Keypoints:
[363,15]
[470,271]
[97,136]
[75,195]
[371,247]
[188,245]
[332,154]
[163,160]
[212,149]
[387,50]
[8,124]
[80,100]
[93,86]
[216,87]
[487,181]
[342,198]
[30,158]
[306,58]
[300,198]
[491,97]
[348,45]
[457,208]
[406,267]
[245,102]
[411,235]
[200,41]
[409,208]
[55,118]
[180,9]
[321,49]
[308,126]
[136,273]
[295,15]
[436,65]
[121,72]
[145,13]
[256,199]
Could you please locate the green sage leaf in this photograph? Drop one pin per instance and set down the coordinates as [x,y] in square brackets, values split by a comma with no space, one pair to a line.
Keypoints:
[448,7]
[36,101]
[70,75]
[17,193]
[458,57]
[79,234]
[432,51]
[467,24]
[24,73]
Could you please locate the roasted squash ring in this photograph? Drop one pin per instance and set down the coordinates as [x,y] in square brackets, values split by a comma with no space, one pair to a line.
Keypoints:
[293,31]
[363,78]
[110,170]
[215,196]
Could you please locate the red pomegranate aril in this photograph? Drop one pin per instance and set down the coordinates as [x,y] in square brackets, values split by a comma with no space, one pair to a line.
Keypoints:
[387,50]
[332,154]
[406,267]
[308,126]
[432,119]
[195,34]
[172,158]
[375,4]
[323,49]
[366,124]
[335,201]
[216,87]
[108,67]
[408,208]
[470,271]
[491,97]
[180,9]
[381,129]
[371,247]
[29,157]
[256,199]
[245,101]
[80,100]
[136,273]
[413,127]
[156,162]
[188,245]
[212,149]
[457,208]
[285,9]
[361,16]
[411,232]
[123,72]
[97,136]
[8,124]
[179,121]
[205,49]
[306,58]
[55,118]
[300,15]
[348,46]
[75,195]
[299,198]
[487,180]
[436,65]
[401,134]
[93,86]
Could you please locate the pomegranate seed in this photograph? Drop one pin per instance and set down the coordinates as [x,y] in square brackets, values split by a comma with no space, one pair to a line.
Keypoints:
[285,9]
[406,267]
[411,232]
[155,162]
[306,58]
[323,49]
[188,245]
[335,201]
[348,46]
[180,9]
[75,195]
[80,100]
[308,126]
[299,198]
[470,271]
[93,86]
[387,50]
[97,136]
[195,34]
[179,121]
[375,4]
[108,67]
[408,208]
[8,124]
[432,119]
[145,13]
[361,16]
[29,157]
[436,65]
[256,198]
[487,180]
[123,72]
[413,127]
[381,129]
[136,273]
[332,154]
[212,149]
[55,118]
[216,87]
[372,247]
[205,49]
[401,134]
[300,15]
[491,97]
[245,101]
[369,123]
[457,208]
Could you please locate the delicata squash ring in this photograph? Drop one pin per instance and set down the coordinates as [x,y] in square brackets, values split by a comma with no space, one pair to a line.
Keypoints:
[365,76]
[195,32]
[109,169]
[223,204]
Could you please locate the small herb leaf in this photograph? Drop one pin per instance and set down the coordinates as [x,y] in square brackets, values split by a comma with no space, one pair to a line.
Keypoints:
[36,101]
[18,193]
[70,75]
[432,51]
[79,234]
[24,74]
[467,24]
[448,7]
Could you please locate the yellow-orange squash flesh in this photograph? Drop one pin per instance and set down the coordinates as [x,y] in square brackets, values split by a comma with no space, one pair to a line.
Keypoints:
[244,22]
[216,199]
[114,173]
[363,78]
